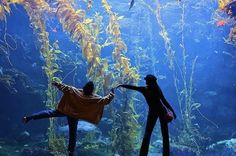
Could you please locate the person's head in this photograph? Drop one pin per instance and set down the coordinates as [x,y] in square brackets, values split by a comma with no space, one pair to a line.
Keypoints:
[151,80]
[88,88]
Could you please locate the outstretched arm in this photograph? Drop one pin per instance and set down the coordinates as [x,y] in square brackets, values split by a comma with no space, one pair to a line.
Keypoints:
[137,88]
[62,87]
[108,98]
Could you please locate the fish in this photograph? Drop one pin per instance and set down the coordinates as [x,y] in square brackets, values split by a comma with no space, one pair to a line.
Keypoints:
[107,120]
[34,65]
[211,93]
[55,30]
[221,23]
[227,53]
[83,126]
[131,4]
[1,71]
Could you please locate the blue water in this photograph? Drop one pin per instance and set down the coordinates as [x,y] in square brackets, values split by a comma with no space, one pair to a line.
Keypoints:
[23,82]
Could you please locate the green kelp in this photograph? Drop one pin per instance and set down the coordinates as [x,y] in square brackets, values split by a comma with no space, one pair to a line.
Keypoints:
[4,9]
[7,81]
[35,10]
[83,32]
[126,125]
[7,45]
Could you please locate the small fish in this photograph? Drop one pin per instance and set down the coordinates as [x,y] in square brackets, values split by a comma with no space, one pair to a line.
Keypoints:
[55,30]
[221,23]
[108,121]
[131,4]
[227,53]
[161,77]
[34,65]
[140,48]
[1,71]
[211,93]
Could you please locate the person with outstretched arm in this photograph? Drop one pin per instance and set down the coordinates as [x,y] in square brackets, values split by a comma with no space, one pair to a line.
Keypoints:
[75,104]
[158,108]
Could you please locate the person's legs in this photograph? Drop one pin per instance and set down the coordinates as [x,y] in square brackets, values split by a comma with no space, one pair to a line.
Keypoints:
[43,114]
[72,122]
[165,137]
[151,121]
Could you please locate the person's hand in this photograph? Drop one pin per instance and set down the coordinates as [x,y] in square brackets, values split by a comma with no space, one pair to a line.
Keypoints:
[54,83]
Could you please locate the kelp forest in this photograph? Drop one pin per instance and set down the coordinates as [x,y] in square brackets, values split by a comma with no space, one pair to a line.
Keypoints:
[188,45]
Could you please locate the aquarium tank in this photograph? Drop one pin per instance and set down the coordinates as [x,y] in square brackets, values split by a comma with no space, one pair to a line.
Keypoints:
[189,45]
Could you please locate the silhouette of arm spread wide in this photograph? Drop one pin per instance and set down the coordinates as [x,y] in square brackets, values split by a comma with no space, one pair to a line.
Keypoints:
[62,87]
[140,89]
[107,99]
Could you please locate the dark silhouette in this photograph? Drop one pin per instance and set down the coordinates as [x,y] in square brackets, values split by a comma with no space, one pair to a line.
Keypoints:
[75,104]
[157,108]
[131,4]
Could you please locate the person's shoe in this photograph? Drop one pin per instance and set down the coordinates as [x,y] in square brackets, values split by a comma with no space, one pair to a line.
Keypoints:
[25,119]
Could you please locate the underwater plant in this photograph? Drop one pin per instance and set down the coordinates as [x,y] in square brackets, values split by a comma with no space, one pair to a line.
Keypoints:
[170,53]
[7,81]
[7,46]
[127,118]
[56,143]
[83,32]
[4,9]
[184,87]
[223,3]
[36,10]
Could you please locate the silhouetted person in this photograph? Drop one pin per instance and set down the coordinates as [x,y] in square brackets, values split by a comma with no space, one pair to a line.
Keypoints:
[155,100]
[76,104]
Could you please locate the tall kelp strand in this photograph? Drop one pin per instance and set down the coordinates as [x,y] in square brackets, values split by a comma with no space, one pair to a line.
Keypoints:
[4,9]
[223,3]
[36,10]
[124,74]
[170,53]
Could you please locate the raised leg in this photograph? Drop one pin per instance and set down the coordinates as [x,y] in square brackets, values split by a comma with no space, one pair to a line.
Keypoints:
[43,114]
